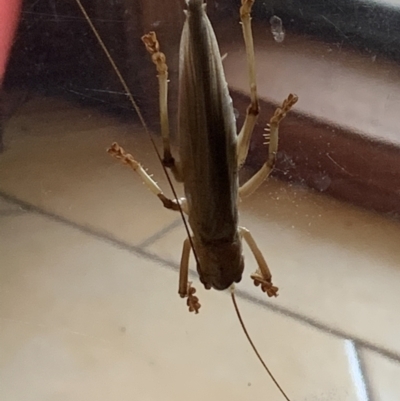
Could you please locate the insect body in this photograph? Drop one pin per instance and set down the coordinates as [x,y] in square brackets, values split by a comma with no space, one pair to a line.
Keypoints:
[208,140]
[211,154]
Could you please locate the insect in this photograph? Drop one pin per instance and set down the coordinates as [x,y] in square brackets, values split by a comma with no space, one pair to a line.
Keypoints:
[210,155]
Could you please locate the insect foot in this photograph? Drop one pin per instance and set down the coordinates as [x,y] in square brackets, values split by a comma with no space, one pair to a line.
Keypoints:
[119,153]
[192,301]
[153,47]
[281,112]
[266,285]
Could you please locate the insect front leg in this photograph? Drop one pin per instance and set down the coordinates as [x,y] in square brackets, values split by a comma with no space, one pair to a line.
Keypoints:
[159,59]
[263,275]
[253,110]
[272,137]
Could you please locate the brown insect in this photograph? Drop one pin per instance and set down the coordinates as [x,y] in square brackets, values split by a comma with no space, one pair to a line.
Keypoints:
[210,155]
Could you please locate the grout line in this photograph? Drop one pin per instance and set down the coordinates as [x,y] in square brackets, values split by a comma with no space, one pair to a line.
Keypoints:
[264,304]
[11,212]
[159,234]
[386,353]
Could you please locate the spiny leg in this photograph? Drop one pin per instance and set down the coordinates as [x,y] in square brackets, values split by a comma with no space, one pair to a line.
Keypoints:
[244,137]
[263,275]
[159,59]
[185,286]
[119,153]
[256,180]
[252,111]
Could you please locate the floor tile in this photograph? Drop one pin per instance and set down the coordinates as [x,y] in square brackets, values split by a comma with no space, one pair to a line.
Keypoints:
[8,207]
[61,165]
[82,319]
[342,277]
[382,375]
[89,276]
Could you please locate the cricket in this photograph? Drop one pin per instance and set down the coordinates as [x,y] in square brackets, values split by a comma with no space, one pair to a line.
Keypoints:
[211,154]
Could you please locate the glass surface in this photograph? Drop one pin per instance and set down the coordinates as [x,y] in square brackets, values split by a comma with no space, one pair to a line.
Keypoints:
[89,258]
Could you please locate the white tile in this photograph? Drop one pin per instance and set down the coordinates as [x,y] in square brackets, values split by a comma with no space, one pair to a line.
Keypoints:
[334,263]
[383,376]
[61,165]
[85,318]
[82,319]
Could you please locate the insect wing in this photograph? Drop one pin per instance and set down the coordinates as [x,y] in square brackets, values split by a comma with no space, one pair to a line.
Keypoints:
[207,131]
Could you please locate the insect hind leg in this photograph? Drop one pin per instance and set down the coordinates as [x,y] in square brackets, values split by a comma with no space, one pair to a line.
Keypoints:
[185,286]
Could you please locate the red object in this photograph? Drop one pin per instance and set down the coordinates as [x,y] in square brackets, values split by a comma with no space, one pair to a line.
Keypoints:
[9,17]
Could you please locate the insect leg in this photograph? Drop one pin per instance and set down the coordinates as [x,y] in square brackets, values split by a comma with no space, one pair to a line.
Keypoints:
[126,158]
[263,275]
[273,132]
[252,111]
[158,58]
[185,287]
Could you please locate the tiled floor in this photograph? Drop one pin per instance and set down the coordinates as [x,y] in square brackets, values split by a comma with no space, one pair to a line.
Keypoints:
[88,282]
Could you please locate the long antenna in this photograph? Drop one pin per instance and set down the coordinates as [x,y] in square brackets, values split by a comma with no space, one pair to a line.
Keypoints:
[143,122]
[138,112]
[246,333]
